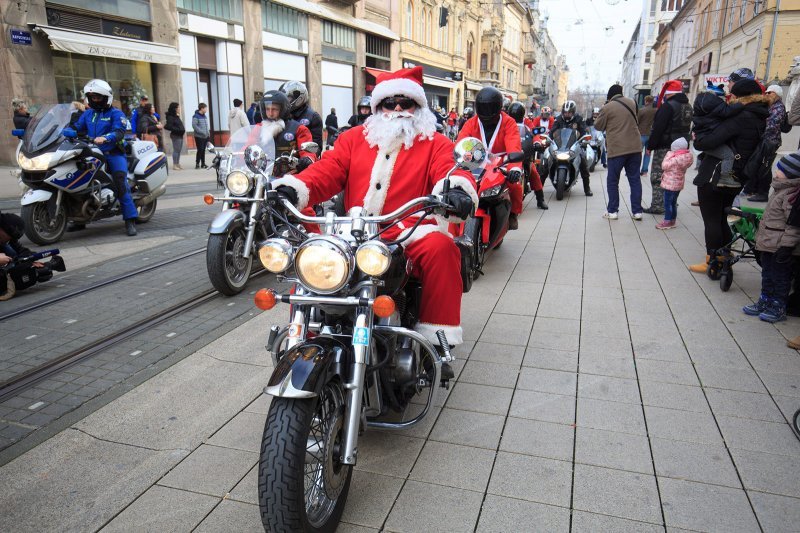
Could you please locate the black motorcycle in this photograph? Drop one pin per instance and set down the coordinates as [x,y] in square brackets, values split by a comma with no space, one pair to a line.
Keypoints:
[565,159]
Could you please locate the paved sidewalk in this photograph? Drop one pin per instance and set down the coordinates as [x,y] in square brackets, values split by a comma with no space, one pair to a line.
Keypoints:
[602,387]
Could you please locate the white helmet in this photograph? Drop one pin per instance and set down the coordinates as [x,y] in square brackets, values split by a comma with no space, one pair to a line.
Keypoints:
[99,87]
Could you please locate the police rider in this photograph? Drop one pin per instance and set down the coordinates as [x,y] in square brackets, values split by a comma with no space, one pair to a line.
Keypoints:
[300,111]
[363,111]
[105,125]
[569,118]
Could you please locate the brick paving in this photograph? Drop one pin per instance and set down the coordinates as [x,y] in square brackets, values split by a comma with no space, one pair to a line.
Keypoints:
[601,387]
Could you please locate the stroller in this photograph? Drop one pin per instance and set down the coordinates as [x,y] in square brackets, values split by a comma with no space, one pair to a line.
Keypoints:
[741,246]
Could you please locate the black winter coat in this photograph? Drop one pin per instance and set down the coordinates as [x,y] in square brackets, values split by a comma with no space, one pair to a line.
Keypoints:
[667,123]
[21,120]
[311,120]
[175,126]
[709,111]
[741,132]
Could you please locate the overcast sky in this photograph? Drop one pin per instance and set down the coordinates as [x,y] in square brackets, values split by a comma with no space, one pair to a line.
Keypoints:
[593,35]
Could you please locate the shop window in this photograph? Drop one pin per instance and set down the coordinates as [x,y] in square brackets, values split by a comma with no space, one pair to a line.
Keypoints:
[469,53]
[130,9]
[378,52]
[338,35]
[283,20]
[220,9]
[409,26]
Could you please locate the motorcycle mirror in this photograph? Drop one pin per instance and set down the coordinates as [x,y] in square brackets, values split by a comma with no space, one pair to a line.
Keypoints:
[515,157]
[310,147]
[469,153]
[18,132]
[210,148]
[255,158]
[69,133]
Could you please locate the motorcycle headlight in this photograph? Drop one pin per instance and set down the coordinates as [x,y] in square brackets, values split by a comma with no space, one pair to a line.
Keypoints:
[238,183]
[324,264]
[562,156]
[492,191]
[275,255]
[41,162]
[373,258]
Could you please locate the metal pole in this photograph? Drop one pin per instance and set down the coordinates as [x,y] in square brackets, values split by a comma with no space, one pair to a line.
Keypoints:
[772,39]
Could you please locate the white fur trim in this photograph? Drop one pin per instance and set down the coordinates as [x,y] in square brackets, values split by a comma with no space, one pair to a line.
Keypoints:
[454,334]
[423,230]
[403,86]
[299,187]
[462,183]
[381,175]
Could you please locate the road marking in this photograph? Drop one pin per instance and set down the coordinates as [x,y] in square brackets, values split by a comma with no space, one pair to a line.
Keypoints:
[137,352]
[171,334]
[142,293]
[35,406]
[70,321]
[230,304]
[168,283]
[60,285]
[145,259]
[29,337]
[90,276]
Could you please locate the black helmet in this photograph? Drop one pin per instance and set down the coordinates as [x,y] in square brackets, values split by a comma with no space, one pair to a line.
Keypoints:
[517,111]
[488,103]
[296,92]
[469,112]
[364,101]
[276,98]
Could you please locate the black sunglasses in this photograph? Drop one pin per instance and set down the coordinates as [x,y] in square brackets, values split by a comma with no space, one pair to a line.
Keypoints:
[394,101]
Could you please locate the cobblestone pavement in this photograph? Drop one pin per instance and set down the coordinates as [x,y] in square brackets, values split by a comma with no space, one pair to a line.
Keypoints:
[602,387]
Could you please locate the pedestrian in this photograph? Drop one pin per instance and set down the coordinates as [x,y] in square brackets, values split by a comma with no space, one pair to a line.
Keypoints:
[776,123]
[201,135]
[673,119]
[775,241]
[237,119]
[77,110]
[646,115]
[331,127]
[149,127]
[742,133]
[143,101]
[794,112]
[21,115]
[176,131]
[624,145]
[251,113]
[675,164]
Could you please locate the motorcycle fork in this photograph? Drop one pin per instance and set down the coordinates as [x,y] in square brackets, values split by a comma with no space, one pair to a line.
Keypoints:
[251,224]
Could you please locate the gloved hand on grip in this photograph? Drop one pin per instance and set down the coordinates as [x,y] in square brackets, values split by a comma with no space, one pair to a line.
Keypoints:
[284,191]
[515,175]
[304,163]
[460,202]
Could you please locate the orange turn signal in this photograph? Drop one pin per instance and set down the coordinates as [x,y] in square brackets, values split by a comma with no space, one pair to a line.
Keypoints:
[383,306]
[266,299]
[208,199]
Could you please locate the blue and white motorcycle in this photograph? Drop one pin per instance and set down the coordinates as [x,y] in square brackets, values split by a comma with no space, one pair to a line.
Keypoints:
[66,179]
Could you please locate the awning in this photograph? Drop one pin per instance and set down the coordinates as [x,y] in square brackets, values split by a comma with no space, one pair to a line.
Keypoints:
[438,82]
[326,13]
[93,44]
[472,86]
[374,71]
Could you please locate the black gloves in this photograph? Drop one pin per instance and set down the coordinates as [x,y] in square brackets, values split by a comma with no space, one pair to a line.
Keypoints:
[284,191]
[515,175]
[460,202]
[784,254]
[304,163]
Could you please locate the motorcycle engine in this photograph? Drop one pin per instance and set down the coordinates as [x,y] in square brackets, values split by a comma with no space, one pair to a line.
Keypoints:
[404,370]
[106,197]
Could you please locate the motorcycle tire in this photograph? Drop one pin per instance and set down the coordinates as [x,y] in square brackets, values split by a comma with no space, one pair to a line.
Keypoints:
[228,270]
[285,502]
[146,212]
[561,184]
[474,229]
[39,227]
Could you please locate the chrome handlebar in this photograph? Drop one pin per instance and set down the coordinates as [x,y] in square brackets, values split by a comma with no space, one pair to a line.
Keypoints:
[432,201]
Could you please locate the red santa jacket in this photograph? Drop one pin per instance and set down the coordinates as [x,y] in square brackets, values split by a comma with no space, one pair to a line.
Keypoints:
[506,140]
[528,122]
[537,122]
[379,181]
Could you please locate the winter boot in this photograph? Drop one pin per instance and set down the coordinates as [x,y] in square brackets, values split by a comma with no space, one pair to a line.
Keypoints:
[513,222]
[700,268]
[540,200]
[130,227]
[775,312]
[794,343]
[757,308]
[587,190]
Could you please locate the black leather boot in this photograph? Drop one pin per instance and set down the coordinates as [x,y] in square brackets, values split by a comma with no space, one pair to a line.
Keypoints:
[130,227]
[513,223]
[540,200]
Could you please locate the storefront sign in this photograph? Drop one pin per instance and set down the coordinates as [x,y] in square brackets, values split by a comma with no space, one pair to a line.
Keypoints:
[21,37]
[716,79]
[127,31]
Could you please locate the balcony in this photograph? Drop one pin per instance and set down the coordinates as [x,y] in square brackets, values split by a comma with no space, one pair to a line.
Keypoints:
[529,58]
[489,76]
[528,88]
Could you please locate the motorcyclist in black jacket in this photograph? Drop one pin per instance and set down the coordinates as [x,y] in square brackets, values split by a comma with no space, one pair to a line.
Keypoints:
[569,118]
[297,93]
[363,112]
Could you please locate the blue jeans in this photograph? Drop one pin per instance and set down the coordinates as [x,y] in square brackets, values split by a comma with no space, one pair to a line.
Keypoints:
[630,162]
[646,159]
[776,278]
[671,204]
[118,166]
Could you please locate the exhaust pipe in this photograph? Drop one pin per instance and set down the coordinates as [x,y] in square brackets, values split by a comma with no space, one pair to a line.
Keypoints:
[155,193]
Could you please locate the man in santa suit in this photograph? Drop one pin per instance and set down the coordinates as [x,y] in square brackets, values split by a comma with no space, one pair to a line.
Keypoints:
[529,120]
[499,133]
[544,120]
[394,157]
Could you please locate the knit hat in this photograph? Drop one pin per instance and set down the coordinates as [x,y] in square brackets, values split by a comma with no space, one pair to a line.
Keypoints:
[679,144]
[790,165]
[745,87]
[777,89]
[741,74]
[613,91]
[719,90]
[671,87]
[406,82]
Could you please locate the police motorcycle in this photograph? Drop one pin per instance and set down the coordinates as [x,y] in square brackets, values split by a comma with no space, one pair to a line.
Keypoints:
[565,148]
[349,360]
[243,221]
[66,179]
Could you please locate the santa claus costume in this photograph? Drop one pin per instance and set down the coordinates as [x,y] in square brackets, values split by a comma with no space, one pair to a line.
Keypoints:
[393,158]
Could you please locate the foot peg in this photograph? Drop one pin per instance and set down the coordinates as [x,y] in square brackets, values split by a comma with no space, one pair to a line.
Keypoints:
[447,358]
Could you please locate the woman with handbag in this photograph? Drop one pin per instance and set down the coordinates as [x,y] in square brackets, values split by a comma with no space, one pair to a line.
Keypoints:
[176,131]
[150,126]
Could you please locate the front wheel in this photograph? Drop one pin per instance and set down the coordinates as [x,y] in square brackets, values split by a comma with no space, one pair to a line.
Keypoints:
[146,212]
[474,229]
[561,183]
[302,485]
[228,269]
[42,228]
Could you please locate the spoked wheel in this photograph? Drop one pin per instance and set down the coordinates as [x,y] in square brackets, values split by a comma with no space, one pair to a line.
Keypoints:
[726,279]
[228,269]
[561,184]
[42,228]
[146,212]
[302,485]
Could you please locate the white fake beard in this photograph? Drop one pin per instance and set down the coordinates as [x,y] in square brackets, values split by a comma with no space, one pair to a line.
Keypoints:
[388,130]
[270,128]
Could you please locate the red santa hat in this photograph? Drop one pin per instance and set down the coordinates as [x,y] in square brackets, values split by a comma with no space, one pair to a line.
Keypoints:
[670,88]
[406,82]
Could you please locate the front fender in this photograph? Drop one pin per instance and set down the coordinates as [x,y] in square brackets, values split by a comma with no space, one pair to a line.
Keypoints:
[225,220]
[35,195]
[305,368]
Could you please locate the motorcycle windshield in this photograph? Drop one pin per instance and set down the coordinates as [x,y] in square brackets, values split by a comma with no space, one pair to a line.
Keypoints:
[45,127]
[247,136]
[564,139]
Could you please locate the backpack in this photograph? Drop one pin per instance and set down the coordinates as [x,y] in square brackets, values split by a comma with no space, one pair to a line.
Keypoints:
[785,126]
[759,163]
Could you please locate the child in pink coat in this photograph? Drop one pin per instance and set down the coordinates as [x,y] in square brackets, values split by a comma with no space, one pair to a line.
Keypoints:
[674,167]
